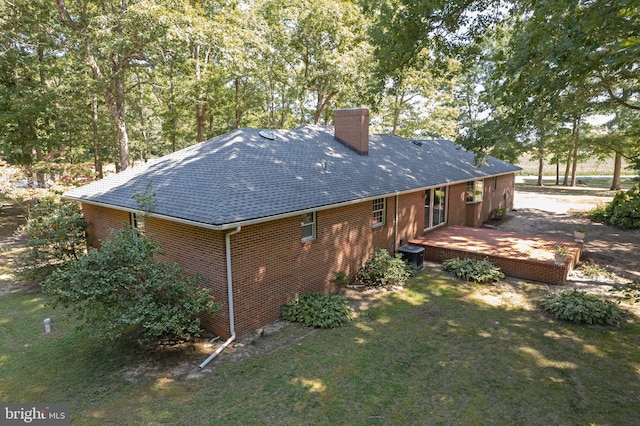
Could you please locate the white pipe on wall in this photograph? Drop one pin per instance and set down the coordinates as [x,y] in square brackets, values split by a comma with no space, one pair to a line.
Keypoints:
[232,327]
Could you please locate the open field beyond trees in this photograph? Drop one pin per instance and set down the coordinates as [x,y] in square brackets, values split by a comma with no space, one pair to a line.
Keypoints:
[439,351]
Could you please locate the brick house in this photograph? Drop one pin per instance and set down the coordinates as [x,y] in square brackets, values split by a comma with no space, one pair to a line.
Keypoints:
[267,215]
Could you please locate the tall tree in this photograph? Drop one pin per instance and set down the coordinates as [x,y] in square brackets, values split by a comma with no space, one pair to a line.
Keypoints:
[113,37]
[325,49]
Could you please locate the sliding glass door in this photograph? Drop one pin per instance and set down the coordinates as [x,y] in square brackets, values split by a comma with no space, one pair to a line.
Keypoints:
[435,207]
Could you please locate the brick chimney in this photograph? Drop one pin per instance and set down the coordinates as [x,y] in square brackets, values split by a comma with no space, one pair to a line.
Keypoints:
[352,128]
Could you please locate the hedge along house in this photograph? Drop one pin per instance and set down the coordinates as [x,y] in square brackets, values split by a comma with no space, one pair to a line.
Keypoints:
[264,215]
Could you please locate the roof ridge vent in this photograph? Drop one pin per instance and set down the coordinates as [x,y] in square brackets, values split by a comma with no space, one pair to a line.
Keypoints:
[267,134]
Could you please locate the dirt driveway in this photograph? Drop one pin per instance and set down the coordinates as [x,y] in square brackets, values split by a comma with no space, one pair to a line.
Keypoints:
[560,211]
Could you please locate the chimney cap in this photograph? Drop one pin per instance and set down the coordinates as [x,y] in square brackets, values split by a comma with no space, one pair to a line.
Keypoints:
[351,111]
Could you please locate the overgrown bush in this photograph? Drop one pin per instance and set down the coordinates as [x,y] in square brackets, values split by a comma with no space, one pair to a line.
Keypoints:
[622,212]
[318,310]
[55,234]
[580,307]
[122,289]
[381,269]
[480,271]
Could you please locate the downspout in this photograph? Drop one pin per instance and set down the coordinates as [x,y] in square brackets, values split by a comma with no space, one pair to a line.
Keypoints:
[232,327]
[395,228]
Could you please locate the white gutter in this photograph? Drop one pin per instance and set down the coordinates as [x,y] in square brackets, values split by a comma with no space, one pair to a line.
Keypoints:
[232,327]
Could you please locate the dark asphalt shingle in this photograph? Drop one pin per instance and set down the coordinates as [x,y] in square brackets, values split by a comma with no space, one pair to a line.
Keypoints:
[242,176]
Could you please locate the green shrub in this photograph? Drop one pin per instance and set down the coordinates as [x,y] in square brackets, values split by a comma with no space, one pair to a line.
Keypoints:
[122,289]
[341,279]
[318,310]
[55,234]
[480,271]
[383,270]
[499,213]
[580,307]
[599,214]
[630,291]
[622,212]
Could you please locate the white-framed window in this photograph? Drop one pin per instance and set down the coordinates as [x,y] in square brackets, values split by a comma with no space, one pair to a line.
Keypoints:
[475,191]
[137,223]
[308,223]
[379,210]
[435,207]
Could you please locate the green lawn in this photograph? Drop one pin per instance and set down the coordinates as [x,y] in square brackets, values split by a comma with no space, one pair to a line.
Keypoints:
[439,352]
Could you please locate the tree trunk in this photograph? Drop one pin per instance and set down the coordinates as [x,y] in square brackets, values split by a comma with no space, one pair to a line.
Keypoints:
[201,110]
[97,159]
[576,144]
[395,110]
[322,104]
[617,167]
[238,109]
[540,171]
[114,95]
[145,136]
[541,157]
[118,113]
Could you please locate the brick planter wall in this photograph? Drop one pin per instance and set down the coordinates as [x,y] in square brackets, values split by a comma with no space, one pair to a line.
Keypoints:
[535,270]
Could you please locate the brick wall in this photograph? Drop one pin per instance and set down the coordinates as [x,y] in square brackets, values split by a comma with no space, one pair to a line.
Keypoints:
[270,263]
[457,212]
[501,196]
[410,216]
[547,272]
[101,221]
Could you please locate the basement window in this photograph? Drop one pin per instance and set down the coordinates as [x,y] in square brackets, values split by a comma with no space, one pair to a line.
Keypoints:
[308,223]
[379,212]
[475,190]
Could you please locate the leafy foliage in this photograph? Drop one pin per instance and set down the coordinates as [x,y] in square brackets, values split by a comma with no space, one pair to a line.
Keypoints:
[383,270]
[55,234]
[341,279]
[480,271]
[580,307]
[622,212]
[630,291]
[598,214]
[594,271]
[499,213]
[318,310]
[122,289]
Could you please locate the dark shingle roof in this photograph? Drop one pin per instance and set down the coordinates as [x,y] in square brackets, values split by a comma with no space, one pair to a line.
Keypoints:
[242,176]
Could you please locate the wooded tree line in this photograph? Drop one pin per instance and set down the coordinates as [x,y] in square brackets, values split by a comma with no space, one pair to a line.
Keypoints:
[120,81]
